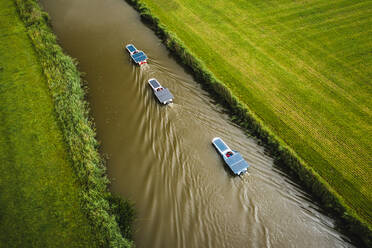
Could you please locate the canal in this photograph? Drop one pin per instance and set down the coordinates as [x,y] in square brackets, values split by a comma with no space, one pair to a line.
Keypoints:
[161,157]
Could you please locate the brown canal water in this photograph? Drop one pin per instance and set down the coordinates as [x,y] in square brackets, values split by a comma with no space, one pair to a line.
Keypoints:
[161,157]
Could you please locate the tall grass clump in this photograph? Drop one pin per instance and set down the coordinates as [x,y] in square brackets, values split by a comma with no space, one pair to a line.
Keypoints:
[349,221]
[73,115]
[123,210]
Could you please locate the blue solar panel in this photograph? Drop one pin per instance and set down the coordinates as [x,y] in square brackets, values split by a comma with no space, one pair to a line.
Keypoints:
[240,167]
[220,145]
[164,95]
[154,83]
[131,48]
[138,57]
[237,163]
[234,159]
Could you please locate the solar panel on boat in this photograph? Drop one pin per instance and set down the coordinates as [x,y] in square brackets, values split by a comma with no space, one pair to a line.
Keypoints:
[239,166]
[140,56]
[131,48]
[154,83]
[164,95]
[137,55]
[234,159]
[220,145]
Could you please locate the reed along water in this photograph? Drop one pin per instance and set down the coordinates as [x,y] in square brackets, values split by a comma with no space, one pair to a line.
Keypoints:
[161,157]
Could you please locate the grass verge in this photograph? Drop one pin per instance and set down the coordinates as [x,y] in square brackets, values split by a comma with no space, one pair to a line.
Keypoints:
[52,179]
[278,67]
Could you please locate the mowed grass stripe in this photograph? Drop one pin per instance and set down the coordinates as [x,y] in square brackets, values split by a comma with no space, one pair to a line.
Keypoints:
[277,21]
[218,13]
[39,195]
[302,41]
[281,58]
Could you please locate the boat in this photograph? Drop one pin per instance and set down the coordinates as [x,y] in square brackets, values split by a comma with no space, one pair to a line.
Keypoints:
[138,56]
[232,158]
[162,94]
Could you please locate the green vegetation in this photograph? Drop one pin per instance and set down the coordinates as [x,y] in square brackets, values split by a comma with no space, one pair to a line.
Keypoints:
[297,74]
[39,195]
[124,213]
[53,189]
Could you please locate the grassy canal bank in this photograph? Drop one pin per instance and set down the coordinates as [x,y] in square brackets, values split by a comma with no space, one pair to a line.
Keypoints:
[297,75]
[53,189]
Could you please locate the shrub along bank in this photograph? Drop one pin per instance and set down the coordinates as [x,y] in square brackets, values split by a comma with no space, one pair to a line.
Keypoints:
[53,187]
[355,220]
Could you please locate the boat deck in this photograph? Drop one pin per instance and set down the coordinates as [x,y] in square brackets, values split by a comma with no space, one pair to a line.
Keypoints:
[164,96]
[139,57]
[237,163]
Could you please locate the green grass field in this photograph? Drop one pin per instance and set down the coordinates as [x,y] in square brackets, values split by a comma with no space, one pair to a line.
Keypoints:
[303,67]
[39,193]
